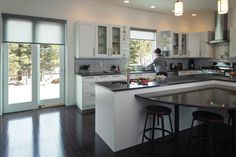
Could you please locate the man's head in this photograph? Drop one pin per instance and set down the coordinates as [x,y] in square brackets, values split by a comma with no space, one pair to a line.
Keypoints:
[157,51]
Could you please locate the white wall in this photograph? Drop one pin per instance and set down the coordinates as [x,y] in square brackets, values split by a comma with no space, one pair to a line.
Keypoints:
[203,23]
[232,18]
[88,10]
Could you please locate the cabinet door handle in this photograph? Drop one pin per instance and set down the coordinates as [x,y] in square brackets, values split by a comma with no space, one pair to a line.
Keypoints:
[93,51]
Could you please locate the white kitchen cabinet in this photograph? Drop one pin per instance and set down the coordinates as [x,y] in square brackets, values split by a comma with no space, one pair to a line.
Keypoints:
[206,50]
[194,44]
[85,39]
[108,41]
[176,43]
[85,89]
[198,46]
[232,42]
[102,40]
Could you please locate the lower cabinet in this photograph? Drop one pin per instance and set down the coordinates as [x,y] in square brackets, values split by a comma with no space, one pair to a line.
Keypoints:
[85,89]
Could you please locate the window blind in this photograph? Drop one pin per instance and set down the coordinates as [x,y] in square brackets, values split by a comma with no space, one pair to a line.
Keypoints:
[142,34]
[28,29]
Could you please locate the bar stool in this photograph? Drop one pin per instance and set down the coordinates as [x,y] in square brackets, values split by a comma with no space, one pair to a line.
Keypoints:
[157,112]
[208,119]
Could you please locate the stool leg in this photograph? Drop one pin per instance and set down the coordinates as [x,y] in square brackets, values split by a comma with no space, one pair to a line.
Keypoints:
[229,120]
[153,126]
[162,126]
[145,126]
[171,127]
[191,134]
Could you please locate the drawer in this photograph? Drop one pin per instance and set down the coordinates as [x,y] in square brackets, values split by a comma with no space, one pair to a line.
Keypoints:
[117,77]
[89,79]
[102,78]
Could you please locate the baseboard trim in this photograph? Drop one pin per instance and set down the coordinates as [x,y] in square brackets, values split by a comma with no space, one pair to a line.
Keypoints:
[87,111]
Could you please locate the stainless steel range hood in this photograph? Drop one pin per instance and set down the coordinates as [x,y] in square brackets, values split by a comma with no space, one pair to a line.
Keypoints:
[221,29]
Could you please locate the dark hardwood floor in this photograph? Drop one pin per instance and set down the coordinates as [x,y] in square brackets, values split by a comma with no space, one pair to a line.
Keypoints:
[64,132]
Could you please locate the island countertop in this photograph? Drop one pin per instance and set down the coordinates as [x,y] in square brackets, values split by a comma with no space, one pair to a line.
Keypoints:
[117,86]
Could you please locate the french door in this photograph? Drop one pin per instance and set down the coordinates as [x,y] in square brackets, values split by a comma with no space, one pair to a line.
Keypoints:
[33,76]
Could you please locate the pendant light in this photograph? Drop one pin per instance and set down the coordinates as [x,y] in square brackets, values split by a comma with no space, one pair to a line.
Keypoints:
[179,8]
[223,6]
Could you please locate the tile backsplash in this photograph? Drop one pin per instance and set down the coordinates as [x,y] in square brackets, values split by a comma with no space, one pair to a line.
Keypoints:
[222,52]
[99,65]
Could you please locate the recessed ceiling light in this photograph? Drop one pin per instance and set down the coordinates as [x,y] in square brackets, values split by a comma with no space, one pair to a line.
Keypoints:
[194,14]
[126,1]
[153,6]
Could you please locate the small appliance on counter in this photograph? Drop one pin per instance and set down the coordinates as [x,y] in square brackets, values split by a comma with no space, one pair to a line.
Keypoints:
[217,67]
[191,64]
[173,66]
[84,69]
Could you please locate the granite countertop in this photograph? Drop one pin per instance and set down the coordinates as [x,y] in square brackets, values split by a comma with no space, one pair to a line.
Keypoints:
[213,97]
[122,85]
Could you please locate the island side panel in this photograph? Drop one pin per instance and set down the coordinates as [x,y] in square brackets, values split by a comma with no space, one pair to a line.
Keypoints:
[130,114]
[104,116]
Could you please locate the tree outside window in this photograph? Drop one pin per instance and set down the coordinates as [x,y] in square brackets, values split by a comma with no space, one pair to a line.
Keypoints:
[141,52]
[142,45]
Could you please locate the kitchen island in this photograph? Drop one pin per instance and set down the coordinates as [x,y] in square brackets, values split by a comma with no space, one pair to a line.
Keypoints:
[120,116]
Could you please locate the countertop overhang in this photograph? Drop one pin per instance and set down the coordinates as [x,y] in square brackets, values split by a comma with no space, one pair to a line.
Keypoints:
[116,87]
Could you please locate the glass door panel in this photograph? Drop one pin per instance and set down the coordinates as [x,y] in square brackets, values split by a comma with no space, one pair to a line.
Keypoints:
[184,44]
[176,44]
[19,73]
[116,38]
[49,71]
[102,40]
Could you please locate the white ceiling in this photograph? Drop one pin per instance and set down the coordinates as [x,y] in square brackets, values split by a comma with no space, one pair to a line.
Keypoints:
[166,6]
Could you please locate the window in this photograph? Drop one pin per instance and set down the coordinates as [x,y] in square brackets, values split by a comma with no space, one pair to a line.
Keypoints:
[142,45]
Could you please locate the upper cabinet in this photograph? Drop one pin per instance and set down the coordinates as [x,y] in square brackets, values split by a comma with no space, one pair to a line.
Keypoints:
[206,50]
[194,44]
[198,45]
[85,39]
[108,41]
[101,41]
[175,43]
[232,42]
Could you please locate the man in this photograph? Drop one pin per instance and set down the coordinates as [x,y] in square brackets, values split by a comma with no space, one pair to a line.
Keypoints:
[160,63]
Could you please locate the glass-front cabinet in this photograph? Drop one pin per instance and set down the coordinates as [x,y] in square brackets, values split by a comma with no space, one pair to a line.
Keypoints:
[102,40]
[175,44]
[108,41]
[115,41]
[184,43]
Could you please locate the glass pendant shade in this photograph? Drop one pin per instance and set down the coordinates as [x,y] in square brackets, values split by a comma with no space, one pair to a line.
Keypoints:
[179,8]
[223,6]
